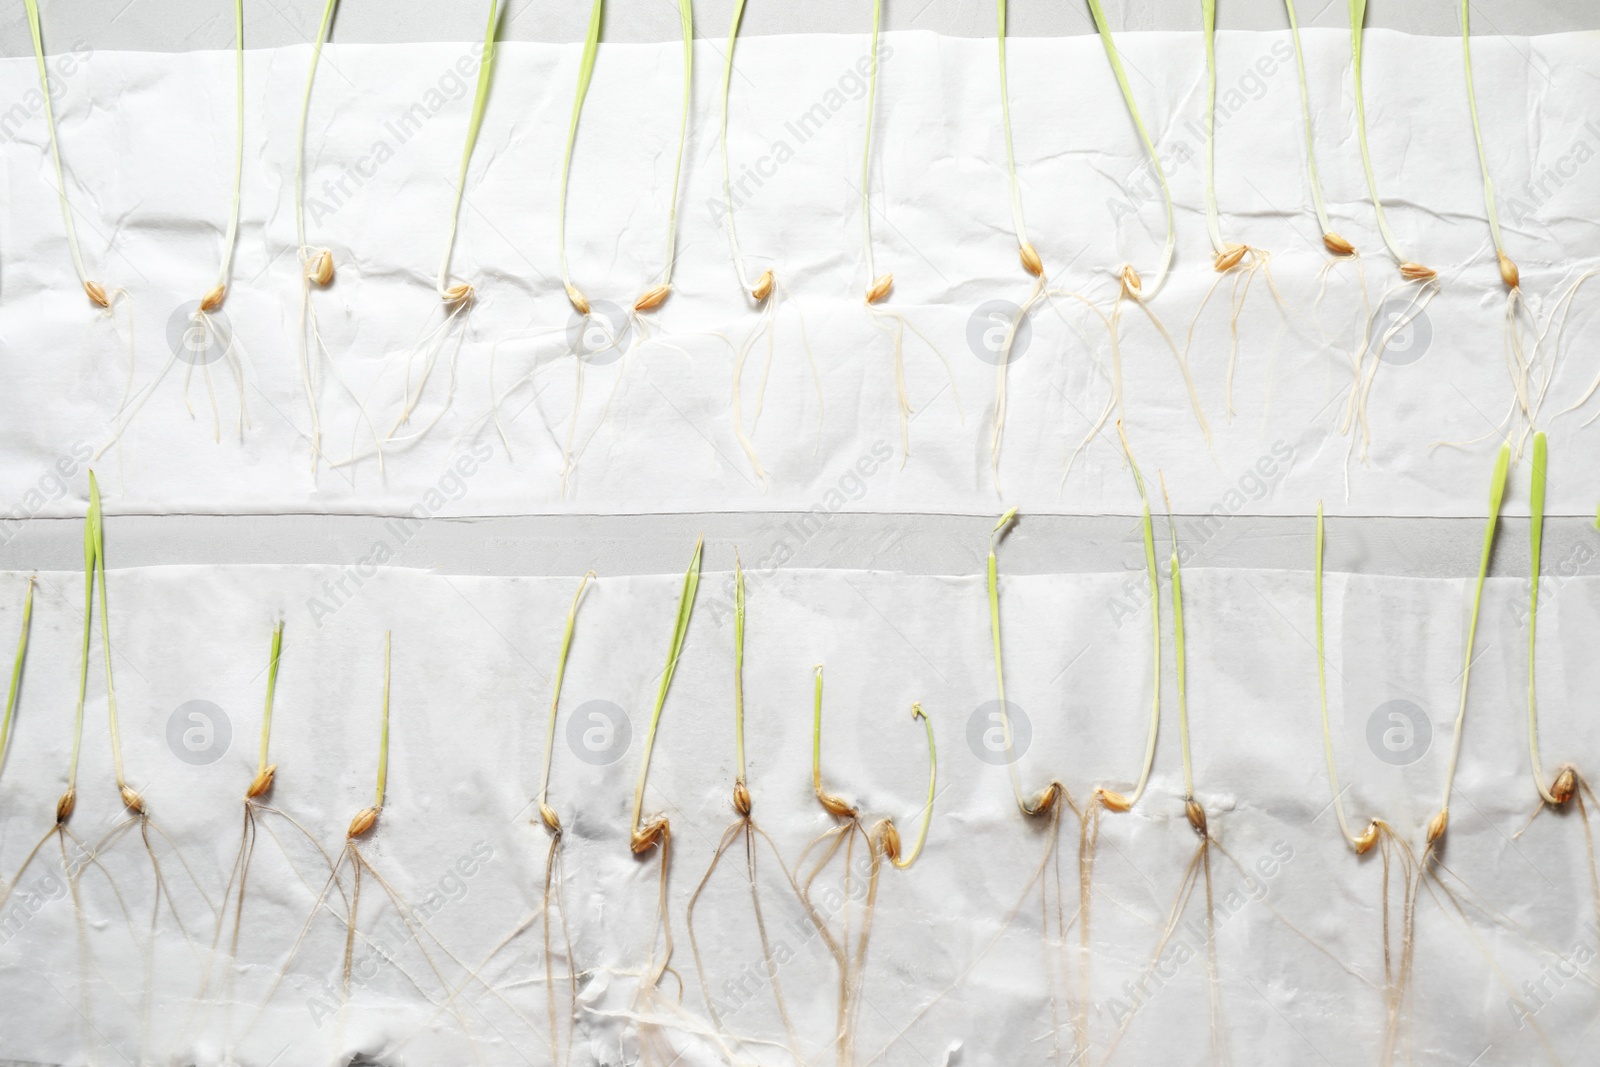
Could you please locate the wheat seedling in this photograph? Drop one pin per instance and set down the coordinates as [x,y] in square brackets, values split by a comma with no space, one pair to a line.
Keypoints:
[743,828]
[891,322]
[655,295]
[138,815]
[1370,356]
[1078,980]
[766,292]
[255,807]
[1200,864]
[554,873]
[1414,872]
[1242,261]
[317,271]
[102,298]
[848,946]
[1131,285]
[205,331]
[361,868]
[1568,784]
[645,835]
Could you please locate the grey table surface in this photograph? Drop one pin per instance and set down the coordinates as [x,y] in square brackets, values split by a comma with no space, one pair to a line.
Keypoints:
[926,544]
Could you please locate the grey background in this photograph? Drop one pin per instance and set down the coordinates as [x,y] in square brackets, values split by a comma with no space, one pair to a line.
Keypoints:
[560,545]
[178,25]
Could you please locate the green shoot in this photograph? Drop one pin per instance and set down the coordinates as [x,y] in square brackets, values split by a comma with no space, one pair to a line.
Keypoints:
[1559,792]
[546,812]
[832,802]
[1131,279]
[1030,258]
[95,290]
[762,288]
[1028,807]
[1409,270]
[1508,268]
[642,837]
[1497,493]
[1116,801]
[740,788]
[1208,10]
[213,300]
[65,805]
[653,297]
[16,672]
[314,266]
[1182,661]
[591,46]
[383,738]
[452,294]
[367,818]
[1368,837]
[95,545]
[879,286]
[1330,240]
[265,770]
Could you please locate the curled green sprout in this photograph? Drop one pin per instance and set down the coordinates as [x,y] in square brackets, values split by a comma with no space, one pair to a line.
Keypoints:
[903,862]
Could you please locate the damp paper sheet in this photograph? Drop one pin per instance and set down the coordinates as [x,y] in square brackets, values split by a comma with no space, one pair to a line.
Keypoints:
[148,142]
[959,962]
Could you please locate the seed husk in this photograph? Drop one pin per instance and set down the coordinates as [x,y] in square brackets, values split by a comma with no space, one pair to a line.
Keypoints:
[652,298]
[1113,800]
[1508,271]
[1337,245]
[741,798]
[1416,272]
[64,806]
[880,288]
[1228,258]
[1131,281]
[1564,786]
[262,782]
[320,269]
[364,821]
[1196,815]
[1368,838]
[1030,259]
[763,287]
[579,301]
[132,800]
[648,835]
[213,300]
[97,293]
[891,841]
[1438,824]
[459,293]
